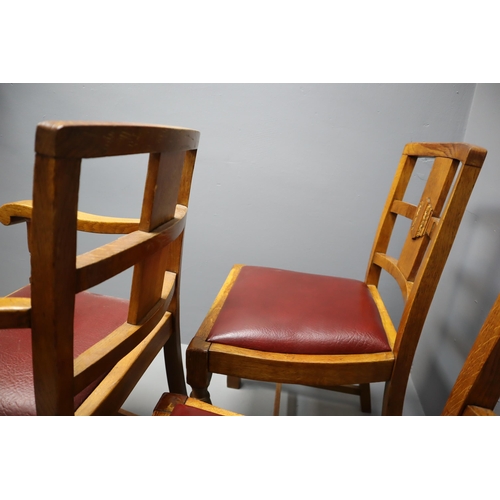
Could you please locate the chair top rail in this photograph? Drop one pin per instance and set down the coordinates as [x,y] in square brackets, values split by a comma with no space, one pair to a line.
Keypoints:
[77,139]
[466,153]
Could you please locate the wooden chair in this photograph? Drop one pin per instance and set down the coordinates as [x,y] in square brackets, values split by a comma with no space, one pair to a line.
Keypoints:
[64,350]
[477,388]
[297,328]
[475,393]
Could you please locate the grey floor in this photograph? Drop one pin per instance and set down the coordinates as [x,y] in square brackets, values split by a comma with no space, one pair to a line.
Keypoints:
[257,398]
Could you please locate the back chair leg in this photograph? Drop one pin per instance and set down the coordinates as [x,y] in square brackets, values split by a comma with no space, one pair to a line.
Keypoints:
[233,382]
[365,398]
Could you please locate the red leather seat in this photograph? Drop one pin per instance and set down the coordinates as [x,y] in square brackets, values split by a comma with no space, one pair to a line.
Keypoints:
[281,311]
[189,411]
[95,317]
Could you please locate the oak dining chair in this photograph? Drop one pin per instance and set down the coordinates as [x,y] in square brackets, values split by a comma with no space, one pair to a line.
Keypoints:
[284,326]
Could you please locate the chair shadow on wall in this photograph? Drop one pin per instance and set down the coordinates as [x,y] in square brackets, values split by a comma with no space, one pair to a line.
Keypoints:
[471,291]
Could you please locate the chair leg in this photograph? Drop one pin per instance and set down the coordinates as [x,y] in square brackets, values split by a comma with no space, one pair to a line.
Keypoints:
[198,376]
[277,400]
[394,397]
[233,382]
[365,398]
[173,362]
[201,393]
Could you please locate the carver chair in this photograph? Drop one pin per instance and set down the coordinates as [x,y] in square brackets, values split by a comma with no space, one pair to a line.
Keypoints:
[335,333]
[67,351]
[477,388]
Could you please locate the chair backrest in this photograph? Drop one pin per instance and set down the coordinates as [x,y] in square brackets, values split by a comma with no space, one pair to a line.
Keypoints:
[152,244]
[434,224]
[477,388]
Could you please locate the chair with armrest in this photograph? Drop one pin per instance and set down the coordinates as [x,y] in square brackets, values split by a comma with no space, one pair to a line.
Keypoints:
[335,333]
[477,388]
[64,350]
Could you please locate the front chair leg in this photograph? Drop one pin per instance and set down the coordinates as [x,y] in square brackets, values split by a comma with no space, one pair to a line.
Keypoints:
[201,393]
[198,376]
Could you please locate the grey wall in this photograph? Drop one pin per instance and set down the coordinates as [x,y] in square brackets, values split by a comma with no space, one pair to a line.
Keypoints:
[288,175]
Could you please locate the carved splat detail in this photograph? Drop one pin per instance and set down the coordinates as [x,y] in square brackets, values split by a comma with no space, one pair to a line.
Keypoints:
[421,219]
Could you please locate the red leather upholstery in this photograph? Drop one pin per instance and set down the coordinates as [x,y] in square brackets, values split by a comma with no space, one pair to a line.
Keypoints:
[95,317]
[181,410]
[290,312]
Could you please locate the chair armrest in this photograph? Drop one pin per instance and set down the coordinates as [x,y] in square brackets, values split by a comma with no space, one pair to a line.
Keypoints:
[91,223]
[14,213]
[20,211]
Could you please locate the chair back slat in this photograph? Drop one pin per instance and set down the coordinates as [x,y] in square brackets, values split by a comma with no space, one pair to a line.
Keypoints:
[431,203]
[434,225]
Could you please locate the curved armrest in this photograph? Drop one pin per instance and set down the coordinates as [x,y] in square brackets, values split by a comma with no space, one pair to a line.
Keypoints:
[20,211]
[91,223]
[14,213]
[15,312]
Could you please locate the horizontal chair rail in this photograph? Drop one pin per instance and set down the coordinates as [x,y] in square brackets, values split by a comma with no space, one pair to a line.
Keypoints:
[466,153]
[323,370]
[119,382]
[104,262]
[101,357]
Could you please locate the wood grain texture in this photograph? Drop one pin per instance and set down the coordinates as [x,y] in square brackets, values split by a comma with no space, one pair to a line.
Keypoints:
[21,211]
[469,154]
[477,411]
[417,271]
[15,312]
[478,384]
[101,357]
[151,244]
[94,140]
[53,275]
[435,192]
[120,381]
[169,401]
[98,265]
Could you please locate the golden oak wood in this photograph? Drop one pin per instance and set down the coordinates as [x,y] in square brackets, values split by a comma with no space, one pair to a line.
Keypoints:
[477,388]
[169,401]
[477,411]
[20,211]
[124,375]
[417,270]
[100,264]
[152,245]
[15,312]
[94,140]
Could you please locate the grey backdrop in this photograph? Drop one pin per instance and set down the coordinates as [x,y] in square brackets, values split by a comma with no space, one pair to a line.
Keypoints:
[287,175]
